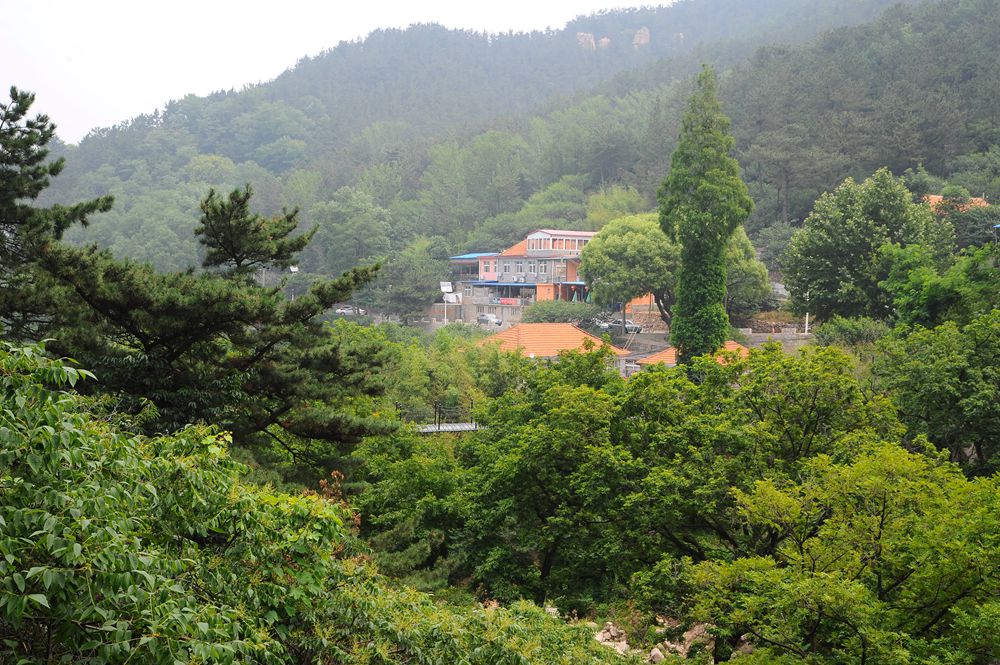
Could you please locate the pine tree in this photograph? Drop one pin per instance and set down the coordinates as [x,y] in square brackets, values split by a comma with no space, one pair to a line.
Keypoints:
[25,298]
[240,242]
[702,202]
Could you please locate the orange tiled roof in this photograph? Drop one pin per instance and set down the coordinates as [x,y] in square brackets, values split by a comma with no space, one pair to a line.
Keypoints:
[568,234]
[520,249]
[731,345]
[668,356]
[974,202]
[546,340]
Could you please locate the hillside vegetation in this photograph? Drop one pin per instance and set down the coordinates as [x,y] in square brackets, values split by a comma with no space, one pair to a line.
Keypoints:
[504,138]
[230,468]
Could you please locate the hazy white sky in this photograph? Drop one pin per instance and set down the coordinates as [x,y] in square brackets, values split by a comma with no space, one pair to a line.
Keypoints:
[95,63]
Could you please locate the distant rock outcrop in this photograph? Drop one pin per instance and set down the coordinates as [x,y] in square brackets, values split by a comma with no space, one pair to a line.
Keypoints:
[586,40]
[604,42]
[641,38]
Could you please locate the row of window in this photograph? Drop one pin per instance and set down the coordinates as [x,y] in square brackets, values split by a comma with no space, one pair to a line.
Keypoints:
[516,267]
[545,244]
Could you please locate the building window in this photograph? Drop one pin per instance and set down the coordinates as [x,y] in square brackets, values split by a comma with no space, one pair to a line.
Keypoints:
[531,267]
[519,267]
[543,267]
[506,266]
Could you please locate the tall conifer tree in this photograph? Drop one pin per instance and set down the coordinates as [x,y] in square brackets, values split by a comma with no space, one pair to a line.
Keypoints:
[702,202]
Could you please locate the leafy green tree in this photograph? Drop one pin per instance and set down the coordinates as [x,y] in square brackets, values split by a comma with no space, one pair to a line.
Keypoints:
[748,287]
[559,311]
[832,265]
[702,201]
[241,242]
[946,384]
[410,512]
[119,548]
[352,230]
[872,567]
[978,172]
[851,333]
[410,281]
[540,483]
[630,257]
[926,296]
[772,242]
[614,202]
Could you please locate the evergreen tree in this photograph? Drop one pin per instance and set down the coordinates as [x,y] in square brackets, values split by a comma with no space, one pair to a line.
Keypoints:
[702,202]
[241,241]
[24,174]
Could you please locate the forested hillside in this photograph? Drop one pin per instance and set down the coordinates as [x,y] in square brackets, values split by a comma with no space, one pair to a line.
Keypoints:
[430,132]
[200,462]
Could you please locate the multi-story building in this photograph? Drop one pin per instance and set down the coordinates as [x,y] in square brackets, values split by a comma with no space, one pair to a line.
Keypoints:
[543,266]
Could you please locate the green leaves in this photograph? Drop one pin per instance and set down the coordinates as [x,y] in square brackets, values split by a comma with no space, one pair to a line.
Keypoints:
[122,548]
[702,201]
[876,560]
[243,242]
[832,264]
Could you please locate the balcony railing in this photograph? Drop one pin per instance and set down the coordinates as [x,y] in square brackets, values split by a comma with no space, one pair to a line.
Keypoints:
[505,302]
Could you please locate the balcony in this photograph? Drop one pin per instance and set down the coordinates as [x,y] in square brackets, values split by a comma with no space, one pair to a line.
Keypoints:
[506,302]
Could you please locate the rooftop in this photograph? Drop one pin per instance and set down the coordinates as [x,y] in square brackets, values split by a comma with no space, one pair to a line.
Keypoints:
[974,202]
[668,356]
[568,234]
[546,340]
[520,249]
[473,256]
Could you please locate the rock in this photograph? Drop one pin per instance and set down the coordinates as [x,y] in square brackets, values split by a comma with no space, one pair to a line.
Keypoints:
[743,647]
[641,37]
[613,637]
[696,634]
[552,611]
[656,656]
[586,40]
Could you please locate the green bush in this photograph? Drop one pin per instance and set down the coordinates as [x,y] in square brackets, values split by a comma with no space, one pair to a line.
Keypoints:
[118,548]
[851,332]
[560,311]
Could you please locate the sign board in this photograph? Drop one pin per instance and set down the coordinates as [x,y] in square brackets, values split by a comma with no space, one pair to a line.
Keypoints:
[452,298]
[446,287]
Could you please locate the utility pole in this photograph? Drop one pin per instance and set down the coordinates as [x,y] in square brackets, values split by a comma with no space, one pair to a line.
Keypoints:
[807,312]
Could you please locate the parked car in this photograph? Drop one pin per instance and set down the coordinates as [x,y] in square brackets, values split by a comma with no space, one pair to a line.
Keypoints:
[489,320]
[348,310]
[631,327]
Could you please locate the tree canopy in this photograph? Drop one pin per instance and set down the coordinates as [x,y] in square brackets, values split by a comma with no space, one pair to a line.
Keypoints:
[702,202]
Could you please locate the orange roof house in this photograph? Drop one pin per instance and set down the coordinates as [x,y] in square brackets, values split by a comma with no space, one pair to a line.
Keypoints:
[668,356]
[546,340]
[935,200]
[518,249]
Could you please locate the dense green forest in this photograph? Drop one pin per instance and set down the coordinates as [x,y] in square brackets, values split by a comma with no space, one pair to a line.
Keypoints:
[199,463]
[435,164]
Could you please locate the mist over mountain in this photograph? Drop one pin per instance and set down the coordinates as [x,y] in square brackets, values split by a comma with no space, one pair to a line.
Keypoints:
[473,138]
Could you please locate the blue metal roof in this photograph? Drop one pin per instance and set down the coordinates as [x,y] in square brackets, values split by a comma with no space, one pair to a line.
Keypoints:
[475,255]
